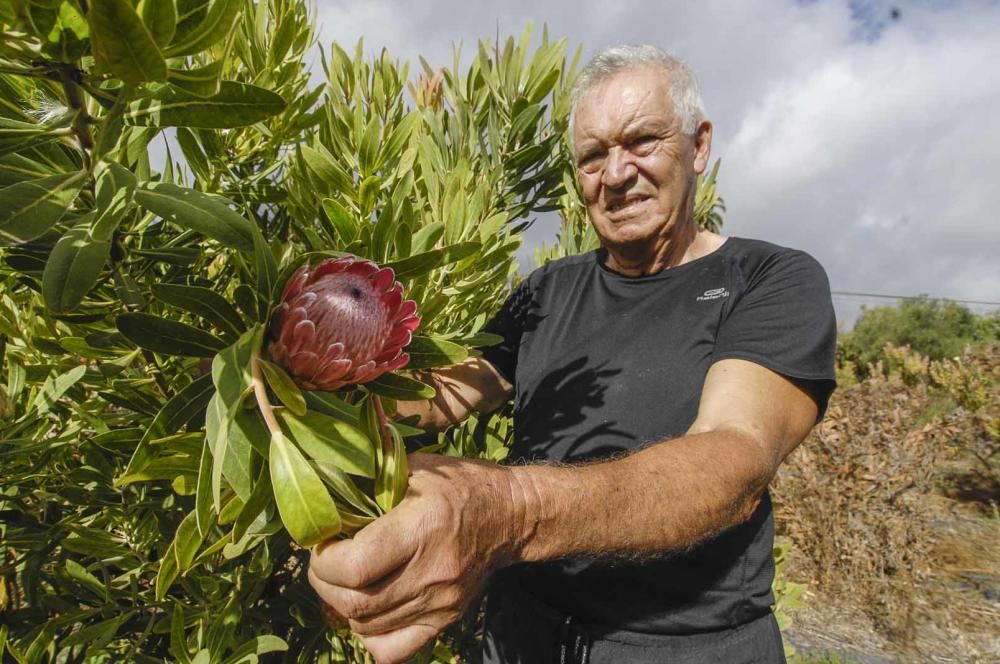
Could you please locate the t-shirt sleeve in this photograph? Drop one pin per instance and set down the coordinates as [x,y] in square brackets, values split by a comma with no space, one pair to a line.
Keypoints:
[509,324]
[784,320]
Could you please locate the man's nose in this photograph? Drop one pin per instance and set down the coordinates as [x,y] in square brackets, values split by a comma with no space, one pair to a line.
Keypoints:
[619,169]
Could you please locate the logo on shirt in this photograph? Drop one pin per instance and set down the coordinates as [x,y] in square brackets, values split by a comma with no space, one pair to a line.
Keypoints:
[714,294]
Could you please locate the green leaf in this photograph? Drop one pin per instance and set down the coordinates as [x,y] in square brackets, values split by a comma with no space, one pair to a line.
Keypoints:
[216,25]
[203,506]
[393,477]
[245,432]
[180,256]
[172,416]
[235,105]
[201,82]
[332,405]
[203,302]
[401,388]
[230,432]
[342,220]
[330,440]
[420,264]
[306,509]
[284,387]
[178,641]
[260,645]
[114,193]
[482,339]
[329,175]
[73,267]
[168,337]
[98,635]
[187,541]
[193,153]
[54,388]
[368,192]
[266,269]
[203,213]
[167,573]
[346,491]
[124,44]
[399,137]
[259,502]
[79,573]
[427,352]
[160,18]
[29,209]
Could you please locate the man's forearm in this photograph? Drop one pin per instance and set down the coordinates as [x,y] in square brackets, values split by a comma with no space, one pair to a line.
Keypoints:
[669,496]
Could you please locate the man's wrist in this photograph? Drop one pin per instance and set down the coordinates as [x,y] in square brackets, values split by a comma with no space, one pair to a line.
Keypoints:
[542,492]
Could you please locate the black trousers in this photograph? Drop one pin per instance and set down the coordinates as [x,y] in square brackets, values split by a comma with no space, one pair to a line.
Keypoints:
[520,630]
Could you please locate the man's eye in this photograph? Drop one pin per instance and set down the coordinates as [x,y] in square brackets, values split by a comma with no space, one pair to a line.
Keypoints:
[643,143]
[590,162]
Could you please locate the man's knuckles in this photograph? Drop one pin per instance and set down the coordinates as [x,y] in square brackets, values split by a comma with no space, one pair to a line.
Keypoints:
[344,567]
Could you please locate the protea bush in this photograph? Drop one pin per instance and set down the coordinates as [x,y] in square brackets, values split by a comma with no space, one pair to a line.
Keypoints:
[153,509]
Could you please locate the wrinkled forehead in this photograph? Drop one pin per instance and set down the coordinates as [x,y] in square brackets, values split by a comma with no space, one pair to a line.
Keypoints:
[622,99]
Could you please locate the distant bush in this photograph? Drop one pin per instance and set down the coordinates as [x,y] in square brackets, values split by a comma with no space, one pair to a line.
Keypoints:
[936,329]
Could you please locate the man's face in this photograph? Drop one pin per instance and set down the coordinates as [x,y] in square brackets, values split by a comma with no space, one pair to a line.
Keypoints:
[636,168]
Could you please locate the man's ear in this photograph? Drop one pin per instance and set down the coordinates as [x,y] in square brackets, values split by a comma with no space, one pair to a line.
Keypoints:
[702,146]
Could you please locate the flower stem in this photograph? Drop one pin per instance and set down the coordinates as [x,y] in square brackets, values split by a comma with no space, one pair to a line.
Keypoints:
[260,391]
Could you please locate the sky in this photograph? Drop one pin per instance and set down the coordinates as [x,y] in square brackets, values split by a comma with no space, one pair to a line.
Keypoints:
[866,133]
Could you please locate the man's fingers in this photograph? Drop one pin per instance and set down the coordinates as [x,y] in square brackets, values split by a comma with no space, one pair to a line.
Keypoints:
[375,552]
[407,614]
[364,603]
[399,646]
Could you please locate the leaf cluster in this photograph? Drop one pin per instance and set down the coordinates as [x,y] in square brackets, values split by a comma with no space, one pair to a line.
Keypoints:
[150,509]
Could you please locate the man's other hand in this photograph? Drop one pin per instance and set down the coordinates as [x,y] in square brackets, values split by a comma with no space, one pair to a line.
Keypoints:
[408,575]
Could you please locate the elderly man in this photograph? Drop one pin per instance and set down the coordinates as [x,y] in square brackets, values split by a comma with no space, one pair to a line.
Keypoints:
[667,374]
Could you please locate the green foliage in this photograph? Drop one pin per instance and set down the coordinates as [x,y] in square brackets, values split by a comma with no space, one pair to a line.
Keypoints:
[787,594]
[932,328]
[157,471]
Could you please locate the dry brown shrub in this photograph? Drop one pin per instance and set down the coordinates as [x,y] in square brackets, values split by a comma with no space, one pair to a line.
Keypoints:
[861,498]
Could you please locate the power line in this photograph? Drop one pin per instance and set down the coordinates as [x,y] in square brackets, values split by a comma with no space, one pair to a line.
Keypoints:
[912,297]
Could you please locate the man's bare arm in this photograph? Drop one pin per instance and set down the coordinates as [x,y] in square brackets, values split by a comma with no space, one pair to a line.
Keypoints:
[471,385]
[415,570]
[676,493]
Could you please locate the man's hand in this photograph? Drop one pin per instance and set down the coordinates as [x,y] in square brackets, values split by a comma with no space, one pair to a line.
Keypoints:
[416,570]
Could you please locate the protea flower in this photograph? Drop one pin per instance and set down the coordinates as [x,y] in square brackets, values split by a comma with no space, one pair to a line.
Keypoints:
[342,322]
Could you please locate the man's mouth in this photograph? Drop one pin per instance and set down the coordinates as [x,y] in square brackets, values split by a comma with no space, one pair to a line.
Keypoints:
[626,203]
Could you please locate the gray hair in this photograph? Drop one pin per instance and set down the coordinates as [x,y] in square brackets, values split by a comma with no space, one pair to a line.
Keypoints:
[683,91]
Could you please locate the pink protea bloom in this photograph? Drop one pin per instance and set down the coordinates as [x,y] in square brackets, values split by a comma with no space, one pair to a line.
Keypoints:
[342,322]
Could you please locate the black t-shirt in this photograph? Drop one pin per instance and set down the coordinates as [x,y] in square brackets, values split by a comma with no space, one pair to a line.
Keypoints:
[602,363]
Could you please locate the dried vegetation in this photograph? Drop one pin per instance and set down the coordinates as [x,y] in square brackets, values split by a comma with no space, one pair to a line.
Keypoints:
[891,504]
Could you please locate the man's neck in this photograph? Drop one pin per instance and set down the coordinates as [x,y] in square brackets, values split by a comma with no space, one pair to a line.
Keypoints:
[684,246]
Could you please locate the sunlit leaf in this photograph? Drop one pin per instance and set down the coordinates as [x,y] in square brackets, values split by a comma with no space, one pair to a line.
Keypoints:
[124,44]
[198,211]
[29,209]
[284,387]
[204,302]
[306,508]
[73,267]
[213,27]
[426,352]
[400,387]
[327,439]
[234,105]
[170,337]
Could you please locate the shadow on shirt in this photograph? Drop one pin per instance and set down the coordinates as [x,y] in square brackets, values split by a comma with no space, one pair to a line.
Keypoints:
[550,416]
